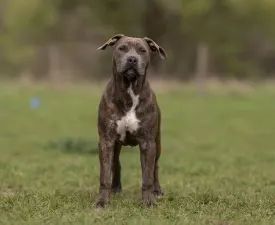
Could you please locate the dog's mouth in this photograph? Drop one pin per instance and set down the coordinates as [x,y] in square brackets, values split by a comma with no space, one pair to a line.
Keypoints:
[131,74]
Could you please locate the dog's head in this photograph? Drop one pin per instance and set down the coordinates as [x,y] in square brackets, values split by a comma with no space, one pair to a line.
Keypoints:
[131,56]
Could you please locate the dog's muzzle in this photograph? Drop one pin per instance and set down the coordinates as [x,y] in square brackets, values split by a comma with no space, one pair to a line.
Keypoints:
[131,74]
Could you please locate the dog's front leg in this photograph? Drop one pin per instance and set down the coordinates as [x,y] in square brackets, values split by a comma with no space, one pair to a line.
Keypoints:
[147,158]
[106,151]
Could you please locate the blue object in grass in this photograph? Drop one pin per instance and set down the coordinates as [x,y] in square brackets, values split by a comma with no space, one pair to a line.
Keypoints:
[35,103]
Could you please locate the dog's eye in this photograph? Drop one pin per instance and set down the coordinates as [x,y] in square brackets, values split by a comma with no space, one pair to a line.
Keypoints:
[122,48]
[143,50]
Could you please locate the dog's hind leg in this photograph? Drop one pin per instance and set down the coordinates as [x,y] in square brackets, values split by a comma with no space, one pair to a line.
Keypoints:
[116,170]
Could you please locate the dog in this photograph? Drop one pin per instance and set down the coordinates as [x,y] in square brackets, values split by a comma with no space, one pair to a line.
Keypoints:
[129,115]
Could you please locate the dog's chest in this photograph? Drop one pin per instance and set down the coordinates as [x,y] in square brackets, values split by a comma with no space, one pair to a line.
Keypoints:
[129,122]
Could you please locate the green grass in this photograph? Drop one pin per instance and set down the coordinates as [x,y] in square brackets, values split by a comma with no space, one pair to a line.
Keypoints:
[217,164]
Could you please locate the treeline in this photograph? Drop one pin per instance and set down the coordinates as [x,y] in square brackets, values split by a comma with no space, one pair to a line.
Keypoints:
[58,38]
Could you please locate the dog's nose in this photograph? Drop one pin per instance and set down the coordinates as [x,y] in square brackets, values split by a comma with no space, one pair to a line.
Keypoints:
[132,60]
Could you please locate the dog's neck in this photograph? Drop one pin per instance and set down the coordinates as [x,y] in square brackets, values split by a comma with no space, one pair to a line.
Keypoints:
[123,87]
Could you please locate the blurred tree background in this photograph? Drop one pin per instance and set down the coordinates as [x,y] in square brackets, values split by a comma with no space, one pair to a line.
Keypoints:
[57,39]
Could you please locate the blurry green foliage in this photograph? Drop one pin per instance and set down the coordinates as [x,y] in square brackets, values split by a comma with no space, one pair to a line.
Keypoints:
[24,24]
[235,30]
[29,18]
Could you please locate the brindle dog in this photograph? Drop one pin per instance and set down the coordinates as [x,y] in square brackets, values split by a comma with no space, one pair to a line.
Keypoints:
[129,116]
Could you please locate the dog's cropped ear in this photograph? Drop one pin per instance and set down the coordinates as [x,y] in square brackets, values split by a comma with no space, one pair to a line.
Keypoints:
[111,41]
[155,48]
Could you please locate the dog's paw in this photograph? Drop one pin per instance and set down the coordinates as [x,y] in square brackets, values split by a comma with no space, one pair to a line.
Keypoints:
[149,200]
[158,193]
[101,203]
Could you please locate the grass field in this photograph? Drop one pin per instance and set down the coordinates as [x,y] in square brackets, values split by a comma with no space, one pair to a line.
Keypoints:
[217,165]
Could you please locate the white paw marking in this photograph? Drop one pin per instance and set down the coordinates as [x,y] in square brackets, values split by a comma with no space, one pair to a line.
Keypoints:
[129,122]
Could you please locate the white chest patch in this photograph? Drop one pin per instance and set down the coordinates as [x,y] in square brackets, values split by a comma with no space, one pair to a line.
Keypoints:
[129,122]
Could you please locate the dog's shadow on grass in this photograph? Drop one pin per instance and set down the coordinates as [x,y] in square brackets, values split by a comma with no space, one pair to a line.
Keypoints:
[73,145]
